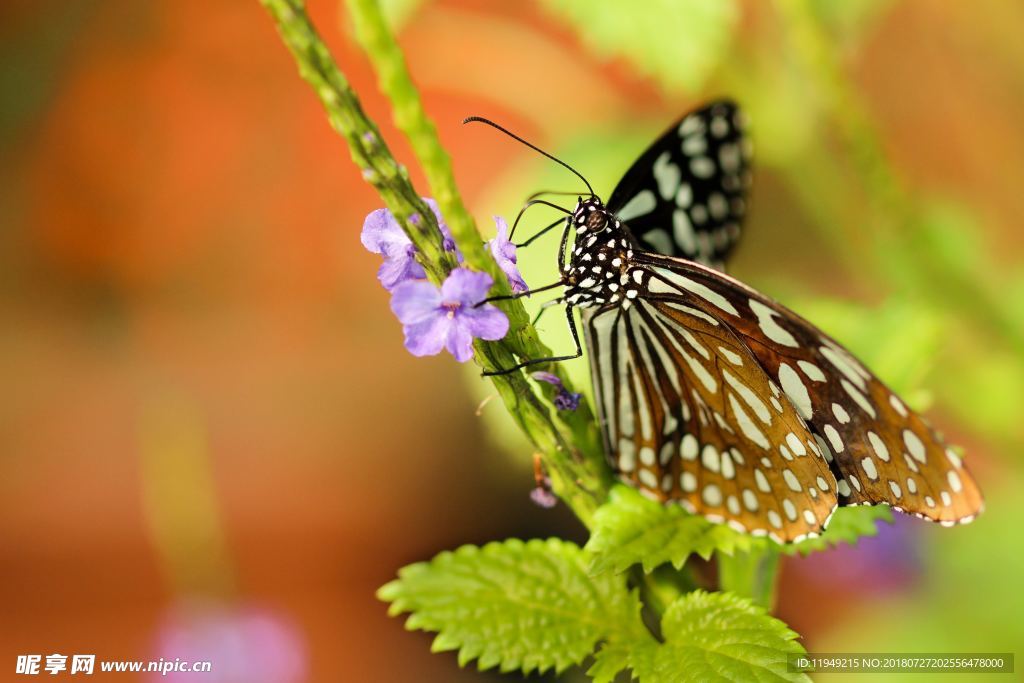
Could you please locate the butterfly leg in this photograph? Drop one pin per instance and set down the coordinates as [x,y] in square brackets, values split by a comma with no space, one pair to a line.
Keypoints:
[544,307]
[552,359]
[519,295]
[543,231]
[534,202]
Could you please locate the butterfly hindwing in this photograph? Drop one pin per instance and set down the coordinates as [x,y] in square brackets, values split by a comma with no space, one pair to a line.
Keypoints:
[882,451]
[686,195]
[688,415]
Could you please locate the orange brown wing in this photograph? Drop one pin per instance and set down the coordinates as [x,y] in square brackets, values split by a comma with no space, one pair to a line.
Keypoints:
[881,451]
[689,415]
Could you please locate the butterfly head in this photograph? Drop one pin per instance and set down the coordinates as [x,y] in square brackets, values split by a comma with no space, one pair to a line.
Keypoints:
[591,217]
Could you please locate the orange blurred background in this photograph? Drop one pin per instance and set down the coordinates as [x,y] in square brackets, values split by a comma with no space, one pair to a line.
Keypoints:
[208,413]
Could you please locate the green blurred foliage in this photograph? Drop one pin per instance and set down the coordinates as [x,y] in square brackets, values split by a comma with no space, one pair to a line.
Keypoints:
[679,44]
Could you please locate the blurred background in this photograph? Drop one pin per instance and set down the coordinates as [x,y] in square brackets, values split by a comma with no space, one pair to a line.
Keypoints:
[213,443]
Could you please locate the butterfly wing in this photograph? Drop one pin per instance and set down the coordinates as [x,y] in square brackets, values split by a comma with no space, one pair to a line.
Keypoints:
[880,450]
[685,196]
[689,415]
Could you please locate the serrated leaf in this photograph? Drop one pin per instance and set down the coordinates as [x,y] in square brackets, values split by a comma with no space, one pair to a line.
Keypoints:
[630,529]
[609,661]
[717,637]
[678,44]
[515,605]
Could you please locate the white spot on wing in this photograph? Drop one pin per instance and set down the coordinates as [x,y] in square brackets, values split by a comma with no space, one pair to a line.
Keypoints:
[712,495]
[897,405]
[859,398]
[667,174]
[811,370]
[879,446]
[699,289]
[747,426]
[627,455]
[659,240]
[640,205]
[795,390]
[914,445]
[702,167]
[868,465]
[730,356]
[844,365]
[749,397]
[684,195]
[690,447]
[834,438]
[691,124]
[770,327]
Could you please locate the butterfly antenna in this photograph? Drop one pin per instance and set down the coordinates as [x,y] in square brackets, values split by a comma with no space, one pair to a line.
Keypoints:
[492,124]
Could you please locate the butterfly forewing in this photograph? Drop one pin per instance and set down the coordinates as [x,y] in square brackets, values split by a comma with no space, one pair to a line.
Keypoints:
[688,415]
[880,450]
[686,195]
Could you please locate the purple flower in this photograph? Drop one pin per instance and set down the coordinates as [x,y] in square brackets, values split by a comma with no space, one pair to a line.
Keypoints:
[504,253]
[564,399]
[383,235]
[243,643]
[447,317]
[542,496]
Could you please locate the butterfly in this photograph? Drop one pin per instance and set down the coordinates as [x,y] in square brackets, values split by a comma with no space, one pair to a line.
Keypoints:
[712,395]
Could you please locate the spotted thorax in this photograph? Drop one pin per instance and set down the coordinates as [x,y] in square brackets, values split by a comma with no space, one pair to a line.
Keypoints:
[599,269]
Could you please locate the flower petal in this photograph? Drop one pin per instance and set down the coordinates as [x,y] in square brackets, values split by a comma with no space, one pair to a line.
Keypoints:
[543,497]
[460,339]
[427,337]
[504,253]
[397,269]
[548,377]
[466,287]
[415,301]
[381,231]
[486,322]
[449,241]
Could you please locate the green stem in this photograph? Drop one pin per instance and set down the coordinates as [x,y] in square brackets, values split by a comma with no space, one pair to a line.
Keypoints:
[575,463]
[752,574]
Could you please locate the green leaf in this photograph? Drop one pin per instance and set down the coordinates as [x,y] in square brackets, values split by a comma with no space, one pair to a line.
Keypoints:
[847,525]
[515,605]
[609,661]
[676,43]
[717,637]
[630,529]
